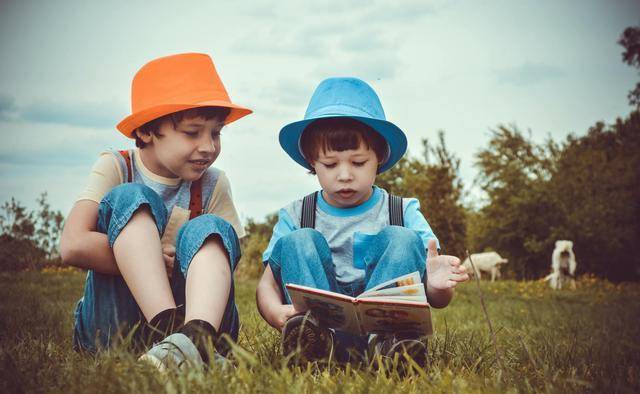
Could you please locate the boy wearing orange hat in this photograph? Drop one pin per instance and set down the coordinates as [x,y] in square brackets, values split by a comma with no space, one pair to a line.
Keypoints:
[156,226]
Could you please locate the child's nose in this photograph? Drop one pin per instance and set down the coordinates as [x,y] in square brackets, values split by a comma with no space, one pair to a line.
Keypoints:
[344,174]
[207,145]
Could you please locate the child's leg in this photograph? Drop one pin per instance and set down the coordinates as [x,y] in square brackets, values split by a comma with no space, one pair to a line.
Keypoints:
[396,251]
[207,251]
[138,253]
[209,272]
[303,257]
[108,306]
[393,252]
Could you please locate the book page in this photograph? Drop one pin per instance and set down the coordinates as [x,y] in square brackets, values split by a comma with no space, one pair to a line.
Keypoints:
[404,280]
[416,292]
[378,316]
[332,310]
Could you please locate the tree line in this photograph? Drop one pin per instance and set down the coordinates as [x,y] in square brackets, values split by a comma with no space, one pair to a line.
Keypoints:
[585,189]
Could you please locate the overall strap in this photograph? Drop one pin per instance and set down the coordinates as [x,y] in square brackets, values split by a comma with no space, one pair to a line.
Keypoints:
[396,217]
[195,200]
[127,159]
[308,216]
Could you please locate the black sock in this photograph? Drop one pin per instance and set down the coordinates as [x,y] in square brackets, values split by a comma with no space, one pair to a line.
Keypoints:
[163,324]
[200,332]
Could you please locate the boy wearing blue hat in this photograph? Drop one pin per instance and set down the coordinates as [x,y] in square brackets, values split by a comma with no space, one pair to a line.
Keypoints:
[351,235]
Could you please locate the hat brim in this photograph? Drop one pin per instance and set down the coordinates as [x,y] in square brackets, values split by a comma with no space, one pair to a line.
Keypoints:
[290,138]
[133,121]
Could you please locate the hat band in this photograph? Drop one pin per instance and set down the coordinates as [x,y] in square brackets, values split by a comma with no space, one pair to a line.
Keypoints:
[343,110]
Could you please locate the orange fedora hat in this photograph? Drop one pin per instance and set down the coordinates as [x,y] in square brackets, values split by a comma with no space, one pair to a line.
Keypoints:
[175,83]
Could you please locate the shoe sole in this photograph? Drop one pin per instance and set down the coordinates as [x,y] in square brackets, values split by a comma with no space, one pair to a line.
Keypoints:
[152,360]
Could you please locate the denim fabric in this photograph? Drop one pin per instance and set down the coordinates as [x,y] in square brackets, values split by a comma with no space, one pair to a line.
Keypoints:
[107,309]
[303,257]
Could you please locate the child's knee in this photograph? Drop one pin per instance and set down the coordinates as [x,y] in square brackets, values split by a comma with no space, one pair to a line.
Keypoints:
[400,237]
[132,192]
[300,249]
[209,230]
[302,238]
[306,244]
[122,202]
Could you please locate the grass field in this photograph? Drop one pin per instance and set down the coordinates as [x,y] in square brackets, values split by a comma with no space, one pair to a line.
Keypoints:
[587,340]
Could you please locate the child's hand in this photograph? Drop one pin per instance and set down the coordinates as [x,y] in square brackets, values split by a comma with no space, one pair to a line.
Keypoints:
[283,313]
[443,272]
[169,254]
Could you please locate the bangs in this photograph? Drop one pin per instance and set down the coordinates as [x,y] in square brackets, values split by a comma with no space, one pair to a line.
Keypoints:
[206,113]
[340,134]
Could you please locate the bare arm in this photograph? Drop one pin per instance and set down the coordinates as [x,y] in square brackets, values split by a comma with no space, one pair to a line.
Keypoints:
[270,302]
[81,245]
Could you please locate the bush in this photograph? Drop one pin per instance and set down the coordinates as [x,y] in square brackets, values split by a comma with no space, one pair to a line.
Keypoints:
[29,239]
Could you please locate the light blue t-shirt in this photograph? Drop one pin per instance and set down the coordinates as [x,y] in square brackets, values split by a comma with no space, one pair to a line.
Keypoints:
[348,231]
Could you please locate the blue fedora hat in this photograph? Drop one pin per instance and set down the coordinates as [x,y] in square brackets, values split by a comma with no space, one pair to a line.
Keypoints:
[345,98]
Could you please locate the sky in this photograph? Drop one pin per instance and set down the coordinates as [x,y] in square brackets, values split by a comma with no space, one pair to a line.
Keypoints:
[549,67]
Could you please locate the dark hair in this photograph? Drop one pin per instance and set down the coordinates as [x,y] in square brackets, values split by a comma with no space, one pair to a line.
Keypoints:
[207,113]
[340,134]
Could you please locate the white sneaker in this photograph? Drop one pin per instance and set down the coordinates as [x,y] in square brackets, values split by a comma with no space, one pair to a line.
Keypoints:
[175,351]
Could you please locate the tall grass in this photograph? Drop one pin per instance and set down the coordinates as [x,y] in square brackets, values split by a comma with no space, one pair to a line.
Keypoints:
[585,340]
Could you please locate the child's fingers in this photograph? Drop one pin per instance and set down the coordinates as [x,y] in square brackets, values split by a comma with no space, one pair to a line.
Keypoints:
[451,284]
[169,250]
[460,277]
[168,262]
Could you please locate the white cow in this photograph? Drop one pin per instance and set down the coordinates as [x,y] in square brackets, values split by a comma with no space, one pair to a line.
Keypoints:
[563,265]
[488,262]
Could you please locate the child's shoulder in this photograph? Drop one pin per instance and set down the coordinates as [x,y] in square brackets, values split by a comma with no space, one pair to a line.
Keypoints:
[406,201]
[214,174]
[215,182]
[294,208]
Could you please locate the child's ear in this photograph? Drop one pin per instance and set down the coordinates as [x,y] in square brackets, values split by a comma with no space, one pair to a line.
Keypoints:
[145,137]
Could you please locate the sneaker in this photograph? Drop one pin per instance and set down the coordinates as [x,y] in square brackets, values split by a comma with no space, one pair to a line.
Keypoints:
[388,346]
[175,351]
[305,340]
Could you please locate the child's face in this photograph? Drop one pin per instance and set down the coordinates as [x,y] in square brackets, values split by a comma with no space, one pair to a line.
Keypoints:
[346,177]
[185,151]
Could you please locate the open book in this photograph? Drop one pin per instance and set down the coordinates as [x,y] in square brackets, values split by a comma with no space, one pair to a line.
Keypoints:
[394,306]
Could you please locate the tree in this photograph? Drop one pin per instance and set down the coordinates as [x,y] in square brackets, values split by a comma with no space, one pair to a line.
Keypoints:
[48,226]
[28,239]
[596,187]
[253,244]
[434,180]
[586,190]
[630,40]
[517,218]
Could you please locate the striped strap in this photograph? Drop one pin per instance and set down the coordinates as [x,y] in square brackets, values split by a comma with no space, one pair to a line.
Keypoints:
[395,211]
[127,160]
[195,201]
[308,217]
